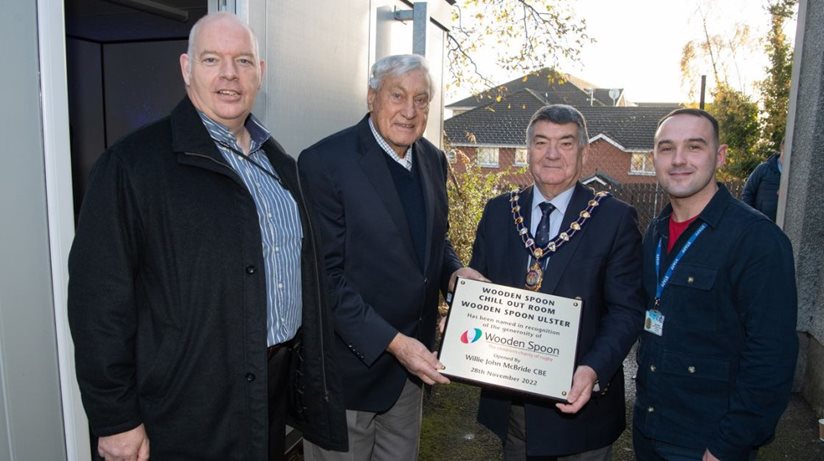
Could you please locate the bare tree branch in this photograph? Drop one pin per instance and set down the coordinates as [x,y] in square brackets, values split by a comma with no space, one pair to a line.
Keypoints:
[524,35]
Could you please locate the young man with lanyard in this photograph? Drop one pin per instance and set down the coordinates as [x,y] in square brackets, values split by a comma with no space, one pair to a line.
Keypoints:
[716,359]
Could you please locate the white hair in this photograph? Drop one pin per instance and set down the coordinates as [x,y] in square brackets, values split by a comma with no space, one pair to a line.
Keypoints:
[397,65]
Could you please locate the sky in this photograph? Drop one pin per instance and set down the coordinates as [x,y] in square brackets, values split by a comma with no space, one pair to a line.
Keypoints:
[639,43]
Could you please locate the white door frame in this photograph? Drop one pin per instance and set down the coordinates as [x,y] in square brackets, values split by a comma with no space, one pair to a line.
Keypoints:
[60,210]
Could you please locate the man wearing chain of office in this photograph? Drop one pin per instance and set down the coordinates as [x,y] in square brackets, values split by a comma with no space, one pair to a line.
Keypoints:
[559,237]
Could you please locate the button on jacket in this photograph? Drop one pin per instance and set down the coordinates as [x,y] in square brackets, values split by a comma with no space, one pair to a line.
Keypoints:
[720,375]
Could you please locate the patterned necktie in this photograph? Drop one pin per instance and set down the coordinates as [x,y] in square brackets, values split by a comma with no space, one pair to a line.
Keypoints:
[542,232]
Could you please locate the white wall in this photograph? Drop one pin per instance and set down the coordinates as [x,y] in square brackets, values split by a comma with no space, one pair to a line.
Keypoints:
[30,408]
[318,61]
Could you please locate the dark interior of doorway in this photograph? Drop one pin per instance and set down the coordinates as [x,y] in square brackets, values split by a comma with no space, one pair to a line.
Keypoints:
[123,71]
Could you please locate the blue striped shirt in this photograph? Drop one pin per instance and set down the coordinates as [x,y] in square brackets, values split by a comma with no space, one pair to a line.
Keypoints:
[280,226]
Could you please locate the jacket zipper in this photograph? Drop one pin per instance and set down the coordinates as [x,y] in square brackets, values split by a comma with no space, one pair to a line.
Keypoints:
[211,159]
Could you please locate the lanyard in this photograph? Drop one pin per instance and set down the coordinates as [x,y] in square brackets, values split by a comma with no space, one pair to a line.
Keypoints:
[662,282]
[249,159]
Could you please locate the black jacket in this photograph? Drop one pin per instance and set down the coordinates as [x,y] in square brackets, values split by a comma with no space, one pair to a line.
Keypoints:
[761,189]
[167,301]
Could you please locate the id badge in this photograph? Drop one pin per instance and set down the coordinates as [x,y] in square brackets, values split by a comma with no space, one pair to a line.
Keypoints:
[654,322]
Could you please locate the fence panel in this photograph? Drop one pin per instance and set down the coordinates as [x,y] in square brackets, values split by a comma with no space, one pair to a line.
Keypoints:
[650,199]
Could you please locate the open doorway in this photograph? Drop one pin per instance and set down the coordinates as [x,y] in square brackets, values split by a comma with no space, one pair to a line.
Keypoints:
[122,66]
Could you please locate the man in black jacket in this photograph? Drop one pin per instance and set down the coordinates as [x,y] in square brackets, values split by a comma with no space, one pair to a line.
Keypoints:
[761,189]
[196,300]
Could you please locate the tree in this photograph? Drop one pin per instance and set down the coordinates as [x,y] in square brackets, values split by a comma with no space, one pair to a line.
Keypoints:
[737,116]
[750,134]
[468,194]
[720,51]
[775,89]
[528,34]
[736,112]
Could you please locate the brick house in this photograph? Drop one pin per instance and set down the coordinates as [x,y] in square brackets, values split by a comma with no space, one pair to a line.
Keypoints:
[489,129]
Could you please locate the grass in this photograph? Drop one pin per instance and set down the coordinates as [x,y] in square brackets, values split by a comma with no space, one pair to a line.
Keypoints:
[449,428]
[450,431]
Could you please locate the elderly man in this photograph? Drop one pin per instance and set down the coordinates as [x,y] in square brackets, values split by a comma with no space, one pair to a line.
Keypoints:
[194,274]
[558,237]
[717,357]
[379,190]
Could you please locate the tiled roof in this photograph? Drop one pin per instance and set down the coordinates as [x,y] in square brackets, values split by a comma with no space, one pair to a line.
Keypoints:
[547,82]
[503,123]
[602,94]
[631,127]
[497,123]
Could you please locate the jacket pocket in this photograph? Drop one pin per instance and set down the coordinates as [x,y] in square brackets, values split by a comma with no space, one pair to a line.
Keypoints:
[159,365]
[698,389]
[695,302]
[695,367]
[694,276]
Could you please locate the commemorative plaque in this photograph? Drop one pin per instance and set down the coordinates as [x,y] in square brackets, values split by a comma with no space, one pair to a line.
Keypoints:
[507,337]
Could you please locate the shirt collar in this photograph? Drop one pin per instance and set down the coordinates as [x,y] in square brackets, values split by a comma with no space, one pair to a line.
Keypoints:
[406,161]
[560,202]
[711,214]
[714,211]
[221,134]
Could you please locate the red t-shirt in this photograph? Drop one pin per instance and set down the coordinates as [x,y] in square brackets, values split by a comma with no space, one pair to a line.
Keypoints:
[676,229]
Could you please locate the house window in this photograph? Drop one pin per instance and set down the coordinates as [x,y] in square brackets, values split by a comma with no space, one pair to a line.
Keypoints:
[451,155]
[520,157]
[488,157]
[641,164]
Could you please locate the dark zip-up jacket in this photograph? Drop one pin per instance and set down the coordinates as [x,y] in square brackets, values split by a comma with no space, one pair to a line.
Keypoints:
[167,301]
[720,375]
[761,189]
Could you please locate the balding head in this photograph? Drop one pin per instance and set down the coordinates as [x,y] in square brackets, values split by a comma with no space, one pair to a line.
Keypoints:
[222,69]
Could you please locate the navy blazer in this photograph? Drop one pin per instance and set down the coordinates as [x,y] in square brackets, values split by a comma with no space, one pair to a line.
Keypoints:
[600,265]
[378,285]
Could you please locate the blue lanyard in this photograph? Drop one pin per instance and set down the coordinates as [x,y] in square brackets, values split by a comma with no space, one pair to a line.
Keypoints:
[662,282]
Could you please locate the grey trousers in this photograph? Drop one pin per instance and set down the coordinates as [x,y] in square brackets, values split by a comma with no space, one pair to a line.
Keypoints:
[392,435]
[515,445]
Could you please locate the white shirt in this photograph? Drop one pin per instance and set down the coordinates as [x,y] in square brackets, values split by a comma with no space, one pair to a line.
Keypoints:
[405,162]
